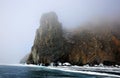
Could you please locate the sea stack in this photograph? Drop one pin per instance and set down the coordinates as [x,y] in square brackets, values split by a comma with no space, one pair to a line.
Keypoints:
[48,41]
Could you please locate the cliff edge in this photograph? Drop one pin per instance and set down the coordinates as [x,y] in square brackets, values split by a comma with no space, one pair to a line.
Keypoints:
[84,45]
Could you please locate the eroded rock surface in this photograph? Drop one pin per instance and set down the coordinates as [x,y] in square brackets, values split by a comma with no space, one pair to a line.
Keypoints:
[84,45]
[48,41]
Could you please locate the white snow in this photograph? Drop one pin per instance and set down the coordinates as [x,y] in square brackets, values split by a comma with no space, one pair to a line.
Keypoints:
[101,65]
[24,65]
[60,64]
[74,69]
[66,64]
[52,64]
[86,65]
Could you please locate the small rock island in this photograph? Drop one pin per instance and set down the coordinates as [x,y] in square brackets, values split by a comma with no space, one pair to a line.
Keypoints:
[91,45]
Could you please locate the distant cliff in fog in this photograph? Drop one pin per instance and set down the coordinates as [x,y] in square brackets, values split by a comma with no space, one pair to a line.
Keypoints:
[83,45]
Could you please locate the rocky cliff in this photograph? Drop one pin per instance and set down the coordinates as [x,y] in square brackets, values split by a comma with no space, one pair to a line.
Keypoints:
[95,45]
[24,59]
[48,41]
[84,45]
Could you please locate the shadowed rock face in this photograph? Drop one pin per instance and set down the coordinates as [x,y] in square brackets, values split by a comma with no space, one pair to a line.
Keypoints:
[95,45]
[84,45]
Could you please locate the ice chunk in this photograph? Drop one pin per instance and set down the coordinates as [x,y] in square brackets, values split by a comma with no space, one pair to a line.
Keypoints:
[66,64]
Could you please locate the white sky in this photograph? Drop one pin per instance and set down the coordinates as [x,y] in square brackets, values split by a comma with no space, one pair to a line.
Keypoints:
[19,20]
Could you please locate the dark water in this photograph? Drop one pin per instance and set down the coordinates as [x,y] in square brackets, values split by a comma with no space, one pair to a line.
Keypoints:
[41,72]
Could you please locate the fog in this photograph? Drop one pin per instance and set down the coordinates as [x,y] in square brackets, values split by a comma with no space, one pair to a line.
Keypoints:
[19,20]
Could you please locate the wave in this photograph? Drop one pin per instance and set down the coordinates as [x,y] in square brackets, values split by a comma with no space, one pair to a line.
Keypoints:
[77,69]
[67,69]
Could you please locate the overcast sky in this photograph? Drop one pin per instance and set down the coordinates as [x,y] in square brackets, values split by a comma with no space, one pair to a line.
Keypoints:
[19,20]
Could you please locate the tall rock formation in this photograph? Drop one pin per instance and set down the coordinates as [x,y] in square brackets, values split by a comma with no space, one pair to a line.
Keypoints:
[85,45]
[48,41]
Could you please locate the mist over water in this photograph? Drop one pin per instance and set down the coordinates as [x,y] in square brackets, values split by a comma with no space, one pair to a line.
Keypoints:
[20,19]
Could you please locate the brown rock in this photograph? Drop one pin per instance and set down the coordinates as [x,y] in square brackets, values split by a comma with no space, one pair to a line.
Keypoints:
[84,45]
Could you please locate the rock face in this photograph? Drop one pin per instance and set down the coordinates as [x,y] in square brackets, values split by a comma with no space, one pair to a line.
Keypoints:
[48,41]
[24,59]
[95,45]
[84,45]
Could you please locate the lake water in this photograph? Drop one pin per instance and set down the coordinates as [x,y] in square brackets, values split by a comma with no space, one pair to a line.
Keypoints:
[40,72]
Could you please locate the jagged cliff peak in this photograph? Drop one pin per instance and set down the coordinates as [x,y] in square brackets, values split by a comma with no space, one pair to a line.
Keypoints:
[50,16]
[48,41]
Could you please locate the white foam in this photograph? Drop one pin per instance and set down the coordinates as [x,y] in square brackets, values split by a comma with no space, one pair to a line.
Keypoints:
[23,65]
[71,69]
[83,72]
